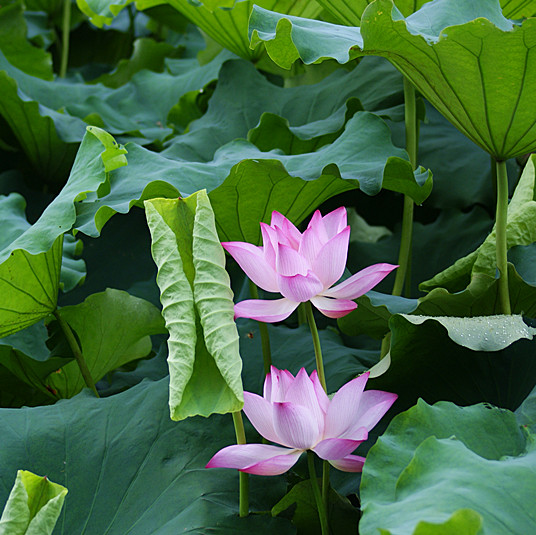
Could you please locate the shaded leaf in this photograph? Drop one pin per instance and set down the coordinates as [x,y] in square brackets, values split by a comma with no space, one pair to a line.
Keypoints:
[16,48]
[427,362]
[113,328]
[520,230]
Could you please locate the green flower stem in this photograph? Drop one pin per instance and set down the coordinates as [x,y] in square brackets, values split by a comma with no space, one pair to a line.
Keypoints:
[316,344]
[325,483]
[65,34]
[500,240]
[322,513]
[302,315]
[404,255]
[77,352]
[243,481]
[403,272]
[405,246]
[265,336]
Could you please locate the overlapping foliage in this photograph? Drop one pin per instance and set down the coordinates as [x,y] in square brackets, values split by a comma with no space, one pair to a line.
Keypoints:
[150,113]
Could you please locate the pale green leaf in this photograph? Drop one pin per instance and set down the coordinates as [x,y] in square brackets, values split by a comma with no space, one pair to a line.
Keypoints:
[204,359]
[33,506]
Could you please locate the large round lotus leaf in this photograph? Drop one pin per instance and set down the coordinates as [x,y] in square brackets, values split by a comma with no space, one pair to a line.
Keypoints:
[228,26]
[448,470]
[130,469]
[474,65]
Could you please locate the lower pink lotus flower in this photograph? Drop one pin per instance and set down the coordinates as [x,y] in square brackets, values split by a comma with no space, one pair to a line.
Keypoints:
[303,267]
[297,413]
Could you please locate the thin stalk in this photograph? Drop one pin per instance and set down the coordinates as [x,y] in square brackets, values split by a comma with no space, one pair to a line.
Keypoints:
[316,344]
[501,242]
[325,483]
[403,273]
[404,253]
[302,316]
[322,513]
[243,481]
[265,336]
[65,33]
[77,352]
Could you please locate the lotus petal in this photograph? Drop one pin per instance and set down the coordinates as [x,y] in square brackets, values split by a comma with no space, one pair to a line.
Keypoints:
[333,308]
[350,463]
[336,448]
[300,288]
[261,459]
[260,413]
[302,392]
[268,311]
[329,265]
[252,261]
[295,425]
[361,282]
[343,407]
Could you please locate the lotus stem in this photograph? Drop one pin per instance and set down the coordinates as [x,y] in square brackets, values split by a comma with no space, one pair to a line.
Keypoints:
[65,34]
[302,315]
[316,344]
[243,480]
[77,352]
[403,273]
[322,512]
[325,483]
[404,254]
[500,233]
[265,336]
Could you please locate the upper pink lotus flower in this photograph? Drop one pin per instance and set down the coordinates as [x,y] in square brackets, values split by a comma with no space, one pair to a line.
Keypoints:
[297,413]
[303,267]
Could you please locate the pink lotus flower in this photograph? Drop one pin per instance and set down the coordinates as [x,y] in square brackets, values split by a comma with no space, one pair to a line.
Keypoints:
[303,267]
[297,413]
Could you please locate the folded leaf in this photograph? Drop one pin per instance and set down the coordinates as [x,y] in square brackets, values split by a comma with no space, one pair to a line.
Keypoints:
[204,360]
[33,507]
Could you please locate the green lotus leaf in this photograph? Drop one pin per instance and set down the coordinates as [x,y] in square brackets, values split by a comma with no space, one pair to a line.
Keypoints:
[518,9]
[426,358]
[130,469]
[447,49]
[102,12]
[204,359]
[520,231]
[16,48]
[442,467]
[29,285]
[526,412]
[241,86]
[25,365]
[48,118]
[239,207]
[124,324]
[229,25]
[452,51]
[370,166]
[33,506]
[288,38]
[97,156]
